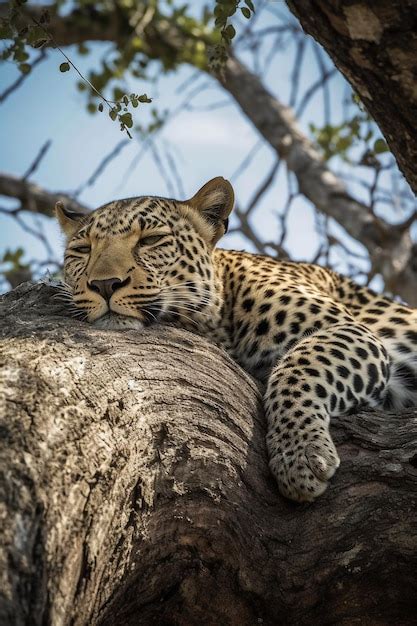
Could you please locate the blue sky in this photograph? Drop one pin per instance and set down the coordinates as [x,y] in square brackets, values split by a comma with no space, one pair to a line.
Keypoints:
[205,143]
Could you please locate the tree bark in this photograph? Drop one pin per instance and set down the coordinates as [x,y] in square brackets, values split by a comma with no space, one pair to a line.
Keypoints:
[390,247]
[374,45]
[136,489]
[34,198]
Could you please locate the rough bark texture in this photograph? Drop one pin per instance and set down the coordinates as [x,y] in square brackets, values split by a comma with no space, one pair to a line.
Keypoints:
[374,44]
[136,490]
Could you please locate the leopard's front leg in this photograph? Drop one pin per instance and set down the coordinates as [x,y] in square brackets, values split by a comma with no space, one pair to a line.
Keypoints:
[326,374]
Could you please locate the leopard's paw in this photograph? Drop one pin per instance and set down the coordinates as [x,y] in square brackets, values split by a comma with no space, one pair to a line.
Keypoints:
[303,469]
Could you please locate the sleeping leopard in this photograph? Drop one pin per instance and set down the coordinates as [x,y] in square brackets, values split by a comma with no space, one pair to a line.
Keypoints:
[322,344]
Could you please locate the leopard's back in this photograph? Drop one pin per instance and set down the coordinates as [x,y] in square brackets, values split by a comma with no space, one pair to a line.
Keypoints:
[271,305]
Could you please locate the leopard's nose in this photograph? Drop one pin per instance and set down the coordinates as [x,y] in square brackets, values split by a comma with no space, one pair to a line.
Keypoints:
[107,287]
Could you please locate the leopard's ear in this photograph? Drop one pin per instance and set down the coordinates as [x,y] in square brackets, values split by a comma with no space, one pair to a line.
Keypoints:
[70,221]
[214,201]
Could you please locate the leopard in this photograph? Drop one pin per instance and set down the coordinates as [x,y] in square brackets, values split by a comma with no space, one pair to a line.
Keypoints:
[320,344]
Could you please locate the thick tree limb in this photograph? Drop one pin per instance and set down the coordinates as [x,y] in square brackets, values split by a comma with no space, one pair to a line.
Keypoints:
[278,126]
[34,198]
[374,46]
[136,490]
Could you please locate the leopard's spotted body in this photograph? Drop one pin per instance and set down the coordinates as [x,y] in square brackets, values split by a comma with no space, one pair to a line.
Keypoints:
[322,344]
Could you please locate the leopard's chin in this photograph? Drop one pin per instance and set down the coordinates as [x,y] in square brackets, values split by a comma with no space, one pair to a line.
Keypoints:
[114,321]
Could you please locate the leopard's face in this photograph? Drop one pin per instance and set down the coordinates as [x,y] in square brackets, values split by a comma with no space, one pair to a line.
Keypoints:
[133,262]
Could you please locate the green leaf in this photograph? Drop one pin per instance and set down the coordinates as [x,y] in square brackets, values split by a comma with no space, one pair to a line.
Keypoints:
[230,9]
[100,107]
[249,4]
[126,119]
[83,49]
[21,56]
[245,12]
[118,94]
[380,146]
[24,68]
[64,67]
[91,107]
[230,31]
[113,114]
[6,31]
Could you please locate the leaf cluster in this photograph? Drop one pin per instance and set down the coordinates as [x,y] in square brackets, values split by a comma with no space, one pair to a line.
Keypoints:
[339,139]
[132,55]
[22,38]
[223,11]
[12,269]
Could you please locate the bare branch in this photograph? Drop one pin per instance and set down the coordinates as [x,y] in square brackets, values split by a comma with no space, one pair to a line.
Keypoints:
[296,71]
[37,161]
[320,83]
[247,160]
[378,67]
[316,181]
[174,170]
[34,198]
[263,187]
[101,167]
[20,80]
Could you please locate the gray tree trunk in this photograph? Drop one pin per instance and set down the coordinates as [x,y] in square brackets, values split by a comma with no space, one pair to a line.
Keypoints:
[373,43]
[136,491]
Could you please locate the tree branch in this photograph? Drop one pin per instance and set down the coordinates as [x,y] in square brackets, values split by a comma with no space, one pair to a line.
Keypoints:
[146,498]
[372,44]
[275,122]
[34,198]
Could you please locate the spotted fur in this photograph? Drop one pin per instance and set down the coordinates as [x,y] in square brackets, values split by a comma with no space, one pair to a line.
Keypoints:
[322,344]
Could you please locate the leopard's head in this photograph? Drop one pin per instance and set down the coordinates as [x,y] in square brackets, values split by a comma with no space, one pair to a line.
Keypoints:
[132,262]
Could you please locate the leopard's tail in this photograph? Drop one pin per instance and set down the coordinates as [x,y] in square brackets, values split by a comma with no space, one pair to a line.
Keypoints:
[401,391]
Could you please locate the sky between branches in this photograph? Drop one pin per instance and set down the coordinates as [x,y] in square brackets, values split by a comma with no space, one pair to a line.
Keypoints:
[205,138]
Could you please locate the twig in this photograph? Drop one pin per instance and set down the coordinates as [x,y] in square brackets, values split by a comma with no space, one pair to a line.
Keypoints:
[101,167]
[296,71]
[263,187]
[174,170]
[244,164]
[159,163]
[20,80]
[108,103]
[318,53]
[42,152]
[309,93]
